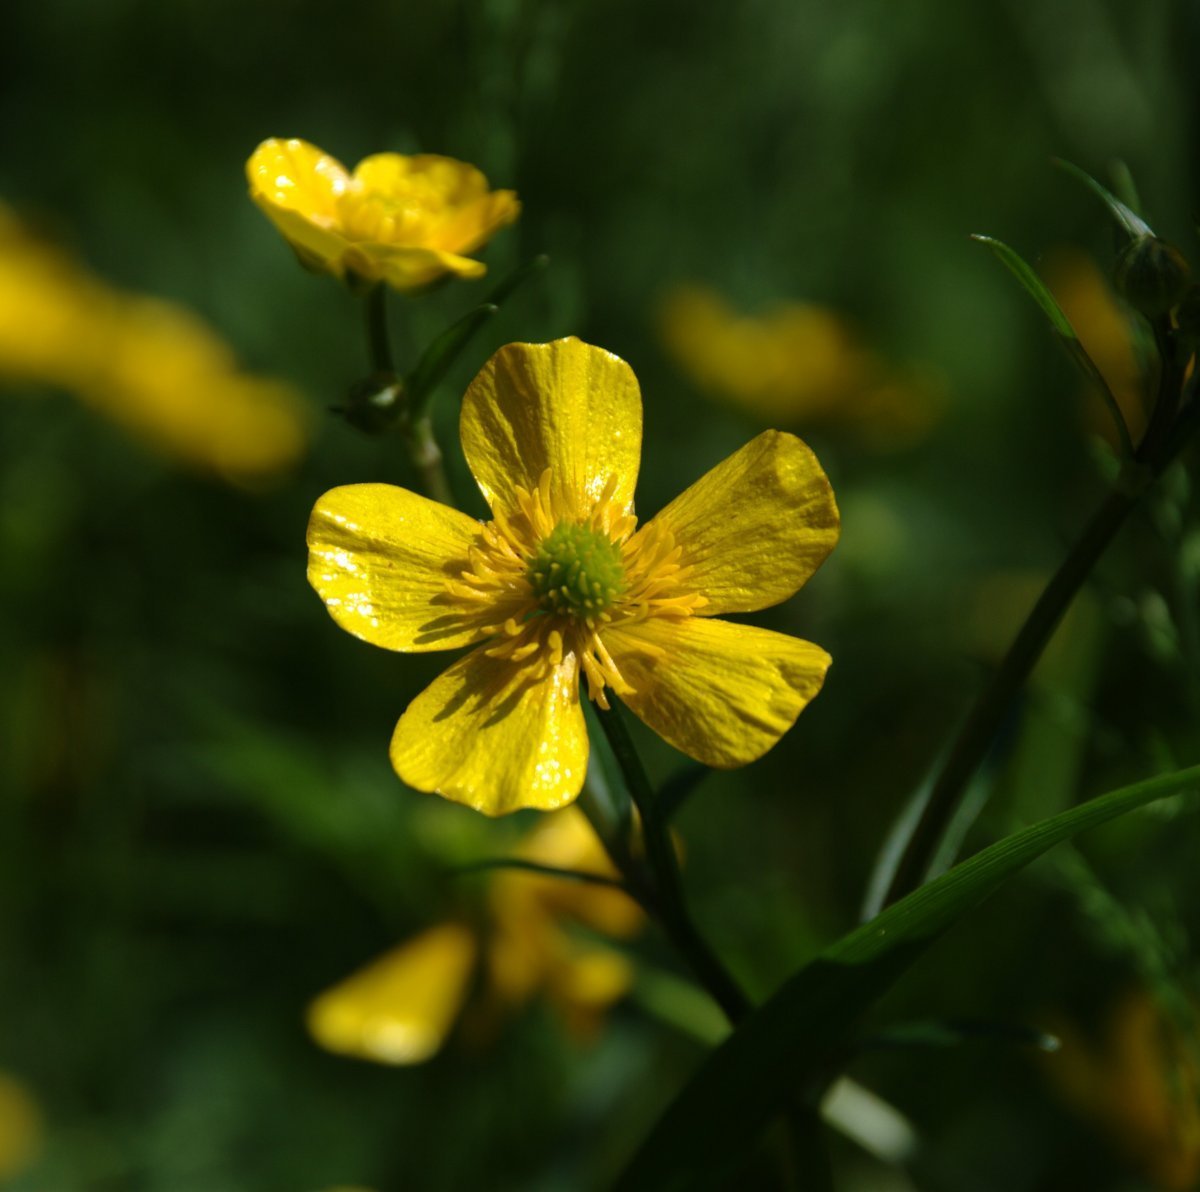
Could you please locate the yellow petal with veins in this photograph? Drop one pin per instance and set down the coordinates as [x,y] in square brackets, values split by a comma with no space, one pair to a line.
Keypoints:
[400,1008]
[496,736]
[754,528]
[565,406]
[719,692]
[380,556]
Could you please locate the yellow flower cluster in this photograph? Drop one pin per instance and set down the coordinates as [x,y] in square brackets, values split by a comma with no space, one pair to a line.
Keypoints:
[401,1007]
[562,585]
[798,364]
[405,221]
[149,365]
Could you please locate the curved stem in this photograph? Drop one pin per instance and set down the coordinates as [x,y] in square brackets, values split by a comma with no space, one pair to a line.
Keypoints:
[668,899]
[1157,448]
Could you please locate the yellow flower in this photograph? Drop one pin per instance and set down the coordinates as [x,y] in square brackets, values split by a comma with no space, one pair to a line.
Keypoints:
[401,220]
[147,364]
[797,364]
[562,583]
[400,1008]
[1140,1082]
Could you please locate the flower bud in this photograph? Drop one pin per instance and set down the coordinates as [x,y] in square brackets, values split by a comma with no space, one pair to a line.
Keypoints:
[374,403]
[1152,276]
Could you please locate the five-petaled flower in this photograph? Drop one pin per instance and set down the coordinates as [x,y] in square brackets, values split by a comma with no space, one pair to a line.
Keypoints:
[562,583]
[401,220]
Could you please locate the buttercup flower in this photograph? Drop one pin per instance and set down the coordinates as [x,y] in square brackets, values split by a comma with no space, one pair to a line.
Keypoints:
[150,365]
[400,1008]
[798,364]
[562,583]
[401,220]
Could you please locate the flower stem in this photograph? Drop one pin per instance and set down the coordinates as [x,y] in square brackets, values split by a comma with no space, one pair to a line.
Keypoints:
[379,345]
[668,899]
[417,432]
[1164,437]
[426,456]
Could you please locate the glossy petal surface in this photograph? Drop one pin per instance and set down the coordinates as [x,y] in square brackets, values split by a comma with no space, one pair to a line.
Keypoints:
[379,556]
[440,181]
[719,692]
[565,406]
[297,187]
[756,527]
[488,734]
[400,1008]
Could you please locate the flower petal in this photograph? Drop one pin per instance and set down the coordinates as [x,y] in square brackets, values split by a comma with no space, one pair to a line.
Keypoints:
[452,182]
[399,1008]
[754,528]
[409,268]
[489,734]
[474,224]
[379,556]
[297,187]
[565,406]
[719,692]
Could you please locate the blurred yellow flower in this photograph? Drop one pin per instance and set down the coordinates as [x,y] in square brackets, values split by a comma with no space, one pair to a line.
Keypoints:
[149,365]
[401,220]
[1106,331]
[798,364]
[561,582]
[401,1007]
[1140,1082]
[20,1128]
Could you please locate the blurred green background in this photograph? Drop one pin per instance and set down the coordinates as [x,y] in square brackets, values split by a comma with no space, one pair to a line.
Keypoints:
[199,827]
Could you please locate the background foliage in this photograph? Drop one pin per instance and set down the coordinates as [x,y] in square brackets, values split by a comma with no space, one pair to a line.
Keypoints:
[199,828]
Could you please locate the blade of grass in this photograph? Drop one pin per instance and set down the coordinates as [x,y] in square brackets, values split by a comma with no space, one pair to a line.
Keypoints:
[800,1035]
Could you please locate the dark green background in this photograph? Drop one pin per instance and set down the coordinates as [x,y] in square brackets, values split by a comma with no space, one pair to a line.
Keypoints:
[199,828]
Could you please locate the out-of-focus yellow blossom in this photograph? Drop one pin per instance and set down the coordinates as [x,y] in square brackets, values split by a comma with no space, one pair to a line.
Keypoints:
[400,1008]
[401,220]
[798,364]
[1106,332]
[561,582]
[149,365]
[21,1128]
[1140,1082]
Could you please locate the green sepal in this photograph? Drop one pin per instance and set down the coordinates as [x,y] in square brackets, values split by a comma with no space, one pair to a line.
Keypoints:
[1038,291]
[800,1037]
[1130,222]
[440,355]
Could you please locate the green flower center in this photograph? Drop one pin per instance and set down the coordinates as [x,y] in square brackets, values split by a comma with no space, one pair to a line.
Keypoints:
[576,571]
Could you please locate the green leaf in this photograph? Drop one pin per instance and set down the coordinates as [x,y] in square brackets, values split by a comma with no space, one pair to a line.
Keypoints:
[436,360]
[1034,286]
[799,1037]
[1037,290]
[1131,223]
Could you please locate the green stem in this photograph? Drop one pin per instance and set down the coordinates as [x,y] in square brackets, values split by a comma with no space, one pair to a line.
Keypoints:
[378,341]
[417,432]
[1157,448]
[669,902]
[426,457]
